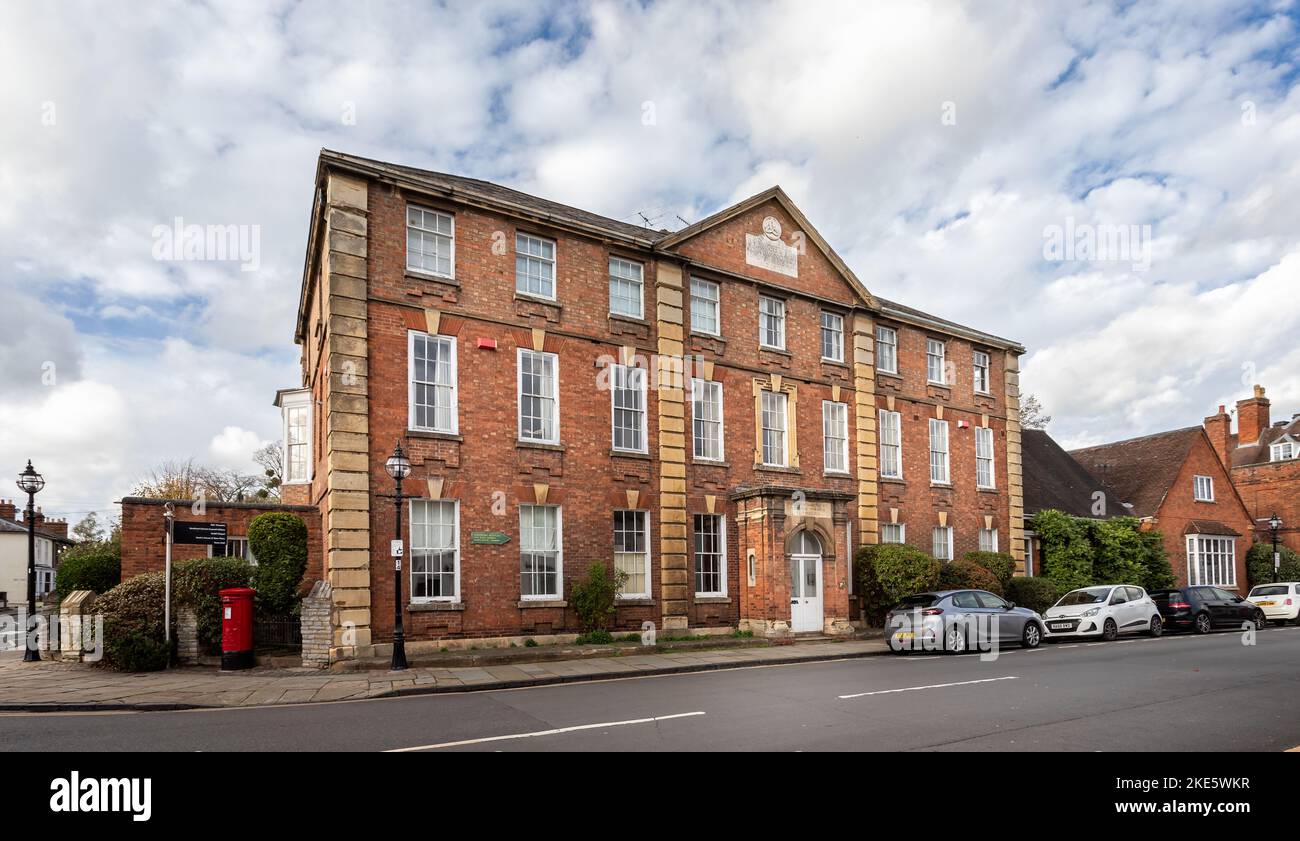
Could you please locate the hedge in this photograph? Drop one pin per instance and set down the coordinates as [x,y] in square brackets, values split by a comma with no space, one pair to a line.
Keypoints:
[133,624]
[1259,564]
[965,573]
[198,584]
[899,570]
[875,604]
[1035,593]
[1002,566]
[89,566]
[279,543]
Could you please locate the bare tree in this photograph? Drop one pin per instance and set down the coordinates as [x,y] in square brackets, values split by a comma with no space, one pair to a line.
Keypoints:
[1031,413]
[271,459]
[187,480]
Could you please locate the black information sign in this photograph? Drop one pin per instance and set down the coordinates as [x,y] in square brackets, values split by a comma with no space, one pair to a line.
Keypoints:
[210,534]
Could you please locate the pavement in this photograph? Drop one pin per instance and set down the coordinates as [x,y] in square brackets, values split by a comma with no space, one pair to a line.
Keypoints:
[1174,693]
[60,687]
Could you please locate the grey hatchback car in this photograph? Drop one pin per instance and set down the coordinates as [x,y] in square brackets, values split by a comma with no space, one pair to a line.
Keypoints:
[960,620]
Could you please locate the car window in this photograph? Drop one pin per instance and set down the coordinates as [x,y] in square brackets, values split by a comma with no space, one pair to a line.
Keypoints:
[1118,597]
[1207,594]
[1226,596]
[1088,595]
[1134,593]
[1270,590]
[919,600]
[965,599]
[991,601]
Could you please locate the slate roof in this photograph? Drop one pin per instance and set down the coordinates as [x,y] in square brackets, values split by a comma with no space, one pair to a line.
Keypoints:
[1054,480]
[11,527]
[1141,470]
[1258,452]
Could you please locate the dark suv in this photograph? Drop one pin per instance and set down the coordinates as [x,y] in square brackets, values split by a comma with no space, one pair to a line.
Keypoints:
[1202,608]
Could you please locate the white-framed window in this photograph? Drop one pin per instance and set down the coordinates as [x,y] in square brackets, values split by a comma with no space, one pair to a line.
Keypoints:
[435,550]
[710,555]
[627,395]
[939,452]
[626,286]
[295,410]
[981,372]
[941,542]
[988,540]
[705,295]
[832,337]
[234,547]
[430,242]
[535,266]
[1283,451]
[887,350]
[632,552]
[541,552]
[984,457]
[431,372]
[539,397]
[934,361]
[771,322]
[893,532]
[774,427]
[706,419]
[1211,560]
[1029,553]
[1203,488]
[835,436]
[891,444]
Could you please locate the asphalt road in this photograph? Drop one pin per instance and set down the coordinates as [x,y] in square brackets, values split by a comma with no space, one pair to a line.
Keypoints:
[1173,693]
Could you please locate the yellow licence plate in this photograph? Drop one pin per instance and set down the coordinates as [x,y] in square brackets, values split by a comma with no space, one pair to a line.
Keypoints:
[1266,604]
[904,635]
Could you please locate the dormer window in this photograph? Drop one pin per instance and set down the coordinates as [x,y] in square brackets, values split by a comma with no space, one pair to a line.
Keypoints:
[1284,451]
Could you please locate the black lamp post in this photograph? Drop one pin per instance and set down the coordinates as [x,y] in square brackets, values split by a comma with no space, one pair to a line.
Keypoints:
[30,482]
[1275,523]
[399,467]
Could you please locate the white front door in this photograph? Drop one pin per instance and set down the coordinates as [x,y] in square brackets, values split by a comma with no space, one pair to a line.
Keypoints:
[806,593]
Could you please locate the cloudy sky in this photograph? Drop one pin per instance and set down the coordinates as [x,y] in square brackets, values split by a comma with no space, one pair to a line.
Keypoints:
[943,149]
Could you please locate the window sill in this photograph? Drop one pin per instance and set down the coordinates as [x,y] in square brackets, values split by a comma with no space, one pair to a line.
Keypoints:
[704,334]
[838,363]
[882,372]
[986,490]
[709,462]
[536,299]
[713,600]
[527,603]
[439,436]
[769,349]
[416,274]
[539,445]
[613,453]
[934,384]
[634,601]
[893,480]
[776,468]
[837,474]
[987,394]
[639,320]
[433,607]
[944,485]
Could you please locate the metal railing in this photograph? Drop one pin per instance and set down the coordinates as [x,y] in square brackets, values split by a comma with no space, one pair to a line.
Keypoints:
[279,632]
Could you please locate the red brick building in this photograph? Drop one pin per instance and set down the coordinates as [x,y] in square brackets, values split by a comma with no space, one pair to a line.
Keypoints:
[1264,460]
[723,413]
[1175,483]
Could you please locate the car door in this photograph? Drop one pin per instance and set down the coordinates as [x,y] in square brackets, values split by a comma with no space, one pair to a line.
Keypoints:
[1140,606]
[969,616]
[1118,607]
[1212,604]
[1240,609]
[1010,626]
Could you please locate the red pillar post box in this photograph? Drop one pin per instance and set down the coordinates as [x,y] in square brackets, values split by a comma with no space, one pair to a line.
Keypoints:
[237,628]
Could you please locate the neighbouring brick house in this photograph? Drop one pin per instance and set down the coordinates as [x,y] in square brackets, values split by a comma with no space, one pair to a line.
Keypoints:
[1175,483]
[723,413]
[1055,481]
[1264,461]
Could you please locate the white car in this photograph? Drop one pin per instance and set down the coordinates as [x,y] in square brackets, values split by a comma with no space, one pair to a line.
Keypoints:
[1106,612]
[1280,602]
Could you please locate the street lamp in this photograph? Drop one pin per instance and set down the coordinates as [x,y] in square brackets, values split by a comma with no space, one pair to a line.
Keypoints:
[1275,523]
[30,482]
[399,467]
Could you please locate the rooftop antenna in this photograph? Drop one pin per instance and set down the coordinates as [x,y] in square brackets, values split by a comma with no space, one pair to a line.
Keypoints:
[683,221]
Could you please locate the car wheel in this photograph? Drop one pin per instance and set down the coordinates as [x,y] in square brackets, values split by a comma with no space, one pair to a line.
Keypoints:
[1261,621]
[1032,636]
[1202,624]
[954,639]
[1157,627]
[1110,631]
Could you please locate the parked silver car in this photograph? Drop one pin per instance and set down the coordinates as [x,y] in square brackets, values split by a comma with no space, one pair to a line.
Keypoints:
[960,620]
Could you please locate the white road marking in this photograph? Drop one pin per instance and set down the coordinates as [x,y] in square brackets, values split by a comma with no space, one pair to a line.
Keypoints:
[553,732]
[931,686]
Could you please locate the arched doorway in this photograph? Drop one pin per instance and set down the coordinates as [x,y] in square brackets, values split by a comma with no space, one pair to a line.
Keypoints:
[805,552]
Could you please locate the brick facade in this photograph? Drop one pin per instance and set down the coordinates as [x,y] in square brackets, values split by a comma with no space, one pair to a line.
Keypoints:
[360,304]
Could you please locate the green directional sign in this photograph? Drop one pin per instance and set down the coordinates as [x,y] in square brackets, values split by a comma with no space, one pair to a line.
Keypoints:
[491,538]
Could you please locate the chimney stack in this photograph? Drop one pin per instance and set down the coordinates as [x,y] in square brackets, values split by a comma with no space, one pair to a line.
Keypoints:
[1252,418]
[59,527]
[38,519]
[8,511]
[1219,427]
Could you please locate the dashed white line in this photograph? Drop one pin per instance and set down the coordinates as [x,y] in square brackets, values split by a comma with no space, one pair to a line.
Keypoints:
[930,686]
[552,732]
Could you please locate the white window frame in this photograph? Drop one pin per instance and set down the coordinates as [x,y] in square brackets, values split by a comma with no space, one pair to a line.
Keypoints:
[638,282]
[1199,485]
[715,303]
[722,556]
[519,396]
[982,434]
[829,409]
[298,400]
[935,533]
[558,595]
[225,550]
[784,428]
[450,341]
[896,445]
[1226,561]
[454,598]
[943,453]
[836,329]
[892,344]
[778,317]
[520,238]
[992,541]
[981,374]
[1275,451]
[433,232]
[902,534]
[619,373]
[645,521]
[930,363]
[699,387]
[1029,553]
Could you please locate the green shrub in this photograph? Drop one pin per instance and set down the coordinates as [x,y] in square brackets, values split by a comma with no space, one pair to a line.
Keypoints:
[198,584]
[1036,593]
[875,604]
[279,542]
[89,566]
[1067,551]
[901,570]
[597,637]
[1118,551]
[528,643]
[1002,565]
[1259,563]
[964,573]
[133,624]
[1157,573]
[593,598]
